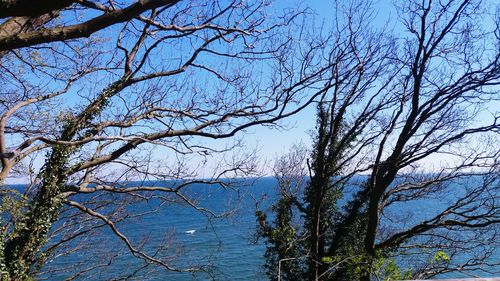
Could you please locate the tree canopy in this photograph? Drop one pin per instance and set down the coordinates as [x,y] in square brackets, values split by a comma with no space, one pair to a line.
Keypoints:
[97,95]
[409,119]
[105,104]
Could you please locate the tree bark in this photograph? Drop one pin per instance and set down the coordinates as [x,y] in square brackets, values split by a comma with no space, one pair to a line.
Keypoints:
[84,29]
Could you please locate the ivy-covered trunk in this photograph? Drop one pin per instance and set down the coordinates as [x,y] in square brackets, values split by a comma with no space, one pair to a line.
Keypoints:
[316,226]
[321,195]
[31,232]
[20,252]
[318,209]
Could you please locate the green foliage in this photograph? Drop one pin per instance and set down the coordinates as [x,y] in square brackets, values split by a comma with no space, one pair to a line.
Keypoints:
[11,208]
[338,243]
[318,235]
[282,239]
[441,256]
[3,265]
[32,227]
[12,203]
[386,269]
[327,259]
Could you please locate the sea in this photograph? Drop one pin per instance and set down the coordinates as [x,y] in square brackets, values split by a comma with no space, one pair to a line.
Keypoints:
[218,237]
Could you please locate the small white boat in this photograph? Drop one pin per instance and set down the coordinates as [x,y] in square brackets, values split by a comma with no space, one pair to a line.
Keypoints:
[190,231]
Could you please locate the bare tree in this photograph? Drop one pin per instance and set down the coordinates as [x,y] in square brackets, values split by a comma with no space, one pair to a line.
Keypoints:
[147,100]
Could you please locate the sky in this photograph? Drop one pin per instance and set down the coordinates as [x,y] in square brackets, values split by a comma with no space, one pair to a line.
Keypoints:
[274,142]
[296,129]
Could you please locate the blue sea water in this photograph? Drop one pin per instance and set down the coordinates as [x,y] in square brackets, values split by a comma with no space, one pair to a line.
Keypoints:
[225,247]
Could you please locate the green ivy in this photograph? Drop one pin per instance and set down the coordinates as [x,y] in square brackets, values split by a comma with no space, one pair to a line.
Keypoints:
[32,227]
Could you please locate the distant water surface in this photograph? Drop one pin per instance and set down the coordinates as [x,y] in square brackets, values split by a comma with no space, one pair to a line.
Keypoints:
[226,245]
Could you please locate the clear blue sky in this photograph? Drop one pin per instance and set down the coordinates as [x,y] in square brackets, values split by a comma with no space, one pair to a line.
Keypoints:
[273,142]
